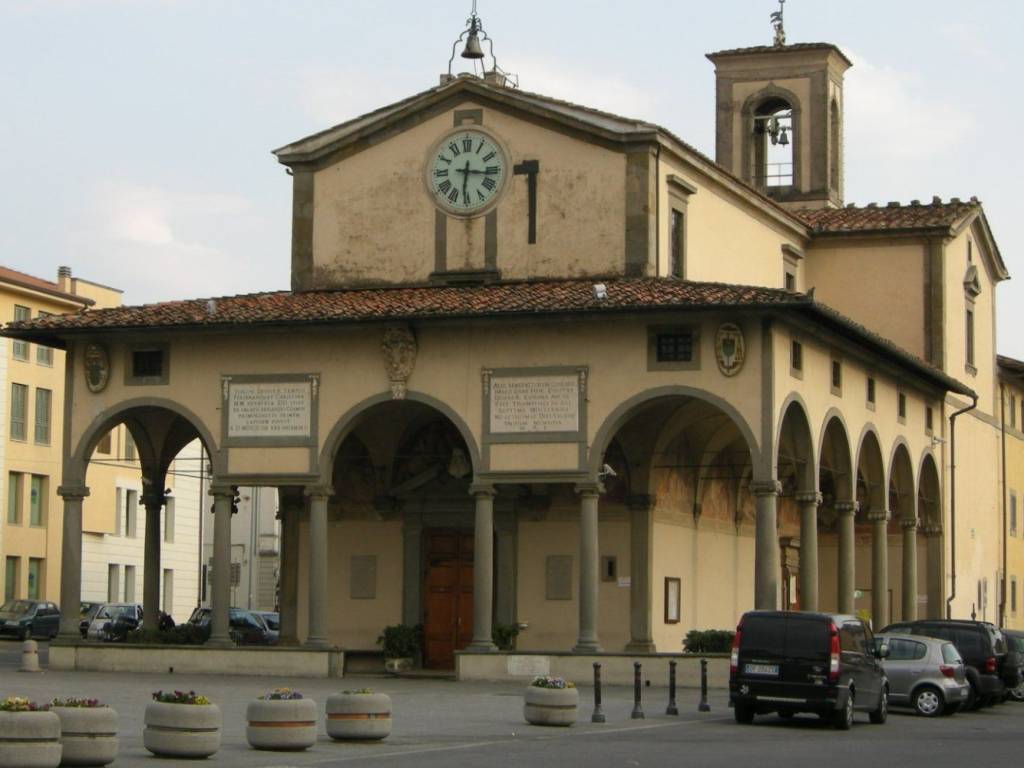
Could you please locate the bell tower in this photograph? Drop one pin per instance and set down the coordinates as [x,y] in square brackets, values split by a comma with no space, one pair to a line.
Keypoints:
[779,119]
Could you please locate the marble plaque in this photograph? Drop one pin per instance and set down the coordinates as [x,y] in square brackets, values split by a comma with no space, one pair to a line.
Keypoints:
[525,404]
[280,409]
[529,666]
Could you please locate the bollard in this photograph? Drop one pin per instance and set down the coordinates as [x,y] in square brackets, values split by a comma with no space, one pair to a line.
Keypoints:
[703,706]
[598,716]
[672,709]
[29,656]
[638,710]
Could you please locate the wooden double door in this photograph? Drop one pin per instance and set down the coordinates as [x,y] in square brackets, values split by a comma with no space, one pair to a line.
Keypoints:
[448,596]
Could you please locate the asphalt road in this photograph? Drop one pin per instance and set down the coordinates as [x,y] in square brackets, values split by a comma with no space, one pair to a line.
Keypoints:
[440,723]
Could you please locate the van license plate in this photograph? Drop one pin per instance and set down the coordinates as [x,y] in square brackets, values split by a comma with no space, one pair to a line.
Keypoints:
[769,670]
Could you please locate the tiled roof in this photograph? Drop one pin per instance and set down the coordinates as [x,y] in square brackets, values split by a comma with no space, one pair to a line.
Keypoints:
[424,302]
[26,280]
[1010,366]
[779,49]
[892,216]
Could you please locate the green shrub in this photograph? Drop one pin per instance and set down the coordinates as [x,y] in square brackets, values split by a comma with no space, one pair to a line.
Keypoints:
[504,636]
[708,641]
[401,641]
[183,634]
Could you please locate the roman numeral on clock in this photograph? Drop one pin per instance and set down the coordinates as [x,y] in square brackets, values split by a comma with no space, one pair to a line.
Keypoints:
[492,169]
[488,184]
[453,195]
[455,149]
[488,156]
[467,145]
[441,173]
[444,186]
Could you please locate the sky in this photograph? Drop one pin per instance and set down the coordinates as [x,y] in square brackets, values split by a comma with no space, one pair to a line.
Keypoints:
[137,133]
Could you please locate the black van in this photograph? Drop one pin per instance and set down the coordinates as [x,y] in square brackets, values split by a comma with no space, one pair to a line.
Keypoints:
[789,662]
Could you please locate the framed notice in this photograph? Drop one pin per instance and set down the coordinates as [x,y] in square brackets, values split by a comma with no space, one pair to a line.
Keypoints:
[673,590]
[269,410]
[534,405]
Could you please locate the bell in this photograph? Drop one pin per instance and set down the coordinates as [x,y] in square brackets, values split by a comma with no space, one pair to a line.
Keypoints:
[472,49]
[784,138]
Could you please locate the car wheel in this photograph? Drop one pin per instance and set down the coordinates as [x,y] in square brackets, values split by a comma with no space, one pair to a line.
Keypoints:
[842,719]
[971,702]
[881,712]
[929,702]
[744,714]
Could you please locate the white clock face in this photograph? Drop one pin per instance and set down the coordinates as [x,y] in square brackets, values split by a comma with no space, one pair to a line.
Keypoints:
[466,172]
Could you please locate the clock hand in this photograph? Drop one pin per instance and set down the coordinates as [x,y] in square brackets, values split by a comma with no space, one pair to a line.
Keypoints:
[465,182]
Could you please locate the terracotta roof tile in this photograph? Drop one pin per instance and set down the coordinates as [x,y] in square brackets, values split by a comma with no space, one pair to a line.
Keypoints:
[26,280]
[892,216]
[779,49]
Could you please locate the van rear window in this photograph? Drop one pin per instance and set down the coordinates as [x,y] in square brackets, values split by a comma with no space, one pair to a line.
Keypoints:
[764,635]
[806,639]
[785,637]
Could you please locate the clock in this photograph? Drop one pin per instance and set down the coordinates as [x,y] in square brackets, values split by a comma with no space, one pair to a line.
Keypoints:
[466,172]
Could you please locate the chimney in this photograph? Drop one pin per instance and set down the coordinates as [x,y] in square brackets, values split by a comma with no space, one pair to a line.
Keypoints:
[64,279]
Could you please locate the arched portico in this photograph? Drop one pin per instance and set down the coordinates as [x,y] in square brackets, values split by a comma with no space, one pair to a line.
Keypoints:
[836,481]
[929,505]
[873,512]
[903,505]
[797,469]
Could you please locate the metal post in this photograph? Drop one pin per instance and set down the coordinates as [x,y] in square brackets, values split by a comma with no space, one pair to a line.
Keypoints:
[672,709]
[598,716]
[638,710]
[703,706]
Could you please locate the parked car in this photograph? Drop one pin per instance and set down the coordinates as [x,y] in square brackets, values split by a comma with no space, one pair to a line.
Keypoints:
[1015,641]
[989,669]
[87,612]
[246,627]
[271,618]
[789,662]
[29,618]
[110,619]
[924,673]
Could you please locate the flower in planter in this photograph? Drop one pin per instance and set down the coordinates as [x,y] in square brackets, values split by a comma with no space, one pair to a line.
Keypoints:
[281,694]
[20,704]
[359,692]
[558,683]
[77,703]
[180,697]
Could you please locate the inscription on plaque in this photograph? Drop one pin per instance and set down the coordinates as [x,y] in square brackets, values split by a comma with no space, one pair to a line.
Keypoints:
[535,404]
[270,409]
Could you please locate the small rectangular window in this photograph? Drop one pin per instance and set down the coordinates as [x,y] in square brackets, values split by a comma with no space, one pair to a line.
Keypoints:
[12,567]
[678,255]
[169,520]
[104,445]
[970,251]
[118,502]
[970,337]
[609,568]
[113,583]
[1013,594]
[14,498]
[37,501]
[44,355]
[131,516]
[790,281]
[147,363]
[129,445]
[44,401]
[901,406]
[871,390]
[129,583]
[675,347]
[19,349]
[837,376]
[928,418]
[1013,514]
[1013,410]
[35,573]
[19,411]
[796,355]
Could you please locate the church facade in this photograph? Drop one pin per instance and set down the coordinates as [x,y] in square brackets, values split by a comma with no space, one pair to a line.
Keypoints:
[548,367]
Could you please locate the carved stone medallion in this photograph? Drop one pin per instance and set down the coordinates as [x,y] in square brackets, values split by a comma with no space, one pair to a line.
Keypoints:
[97,367]
[730,349]
[399,347]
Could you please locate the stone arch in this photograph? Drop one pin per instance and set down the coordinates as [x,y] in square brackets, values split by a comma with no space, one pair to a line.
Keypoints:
[132,413]
[794,433]
[352,416]
[929,492]
[771,94]
[835,456]
[872,469]
[902,495]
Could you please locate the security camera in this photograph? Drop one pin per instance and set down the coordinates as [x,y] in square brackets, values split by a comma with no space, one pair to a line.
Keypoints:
[607,471]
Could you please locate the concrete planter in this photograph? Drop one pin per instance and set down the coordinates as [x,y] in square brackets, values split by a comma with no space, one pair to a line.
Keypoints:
[360,716]
[88,735]
[182,730]
[29,740]
[550,706]
[281,724]
[402,664]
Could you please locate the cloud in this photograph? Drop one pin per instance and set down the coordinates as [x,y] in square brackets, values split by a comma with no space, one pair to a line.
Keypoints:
[611,93]
[332,96]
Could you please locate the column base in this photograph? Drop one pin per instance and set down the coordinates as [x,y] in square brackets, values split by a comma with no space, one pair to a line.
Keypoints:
[288,642]
[219,642]
[317,644]
[590,646]
[481,647]
[641,646]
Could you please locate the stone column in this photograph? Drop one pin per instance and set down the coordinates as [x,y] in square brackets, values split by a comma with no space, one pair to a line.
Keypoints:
[71,560]
[879,568]
[483,570]
[641,574]
[767,566]
[935,572]
[220,602]
[153,501]
[316,636]
[291,508]
[846,581]
[589,569]
[909,587]
[809,502]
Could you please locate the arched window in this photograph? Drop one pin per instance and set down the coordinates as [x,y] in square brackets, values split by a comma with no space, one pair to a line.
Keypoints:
[834,141]
[773,144]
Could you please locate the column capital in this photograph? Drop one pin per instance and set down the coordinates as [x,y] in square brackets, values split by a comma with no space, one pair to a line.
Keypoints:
[879,515]
[477,490]
[766,487]
[809,497]
[318,491]
[908,523]
[641,502]
[222,489]
[847,508]
[589,489]
[931,530]
[73,492]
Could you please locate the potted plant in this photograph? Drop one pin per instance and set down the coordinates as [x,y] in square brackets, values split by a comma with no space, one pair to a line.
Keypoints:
[180,724]
[29,734]
[281,720]
[401,645]
[88,731]
[360,714]
[550,701]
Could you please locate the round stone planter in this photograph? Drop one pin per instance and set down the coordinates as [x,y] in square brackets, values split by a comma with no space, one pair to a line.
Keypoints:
[359,716]
[550,706]
[29,740]
[88,735]
[281,724]
[182,730]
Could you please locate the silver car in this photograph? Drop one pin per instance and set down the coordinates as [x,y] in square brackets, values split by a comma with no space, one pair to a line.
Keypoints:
[108,613]
[924,673]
